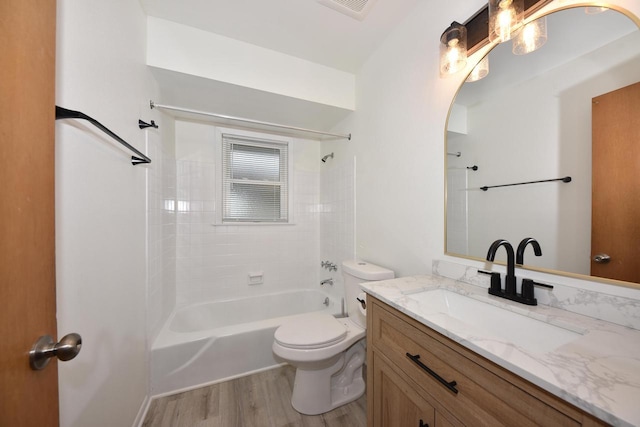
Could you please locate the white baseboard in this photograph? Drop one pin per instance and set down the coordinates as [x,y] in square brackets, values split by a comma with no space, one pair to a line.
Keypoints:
[142,413]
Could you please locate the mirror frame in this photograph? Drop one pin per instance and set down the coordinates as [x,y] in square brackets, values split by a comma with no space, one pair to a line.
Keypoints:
[479,46]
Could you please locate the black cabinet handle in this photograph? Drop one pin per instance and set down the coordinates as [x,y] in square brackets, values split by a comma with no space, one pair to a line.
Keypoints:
[423,424]
[450,385]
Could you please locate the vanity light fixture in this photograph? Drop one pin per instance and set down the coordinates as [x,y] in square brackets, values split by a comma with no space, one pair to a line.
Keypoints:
[480,71]
[531,37]
[453,49]
[593,10]
[505,18]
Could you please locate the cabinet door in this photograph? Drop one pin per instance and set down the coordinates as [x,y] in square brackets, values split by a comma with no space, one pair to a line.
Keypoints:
[396,403]
[441,421]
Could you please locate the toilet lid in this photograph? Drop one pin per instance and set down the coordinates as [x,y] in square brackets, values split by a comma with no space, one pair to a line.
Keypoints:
[313,330]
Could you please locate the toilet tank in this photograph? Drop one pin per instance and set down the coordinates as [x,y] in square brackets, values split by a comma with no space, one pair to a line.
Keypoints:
[355,272]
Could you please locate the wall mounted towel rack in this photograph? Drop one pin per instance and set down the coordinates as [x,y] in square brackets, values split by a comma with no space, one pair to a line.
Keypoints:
[565,179]
[245,120]
[63,113]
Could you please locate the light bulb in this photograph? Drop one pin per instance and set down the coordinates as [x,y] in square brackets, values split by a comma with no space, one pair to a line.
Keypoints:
[531,37]
[505,17]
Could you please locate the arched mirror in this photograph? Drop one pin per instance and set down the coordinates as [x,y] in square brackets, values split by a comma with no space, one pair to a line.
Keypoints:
[568,109]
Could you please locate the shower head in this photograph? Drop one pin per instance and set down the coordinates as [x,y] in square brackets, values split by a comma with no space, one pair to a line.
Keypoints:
[324,159]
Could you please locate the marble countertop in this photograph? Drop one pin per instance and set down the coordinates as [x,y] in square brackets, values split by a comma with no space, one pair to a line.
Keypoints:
[599,371]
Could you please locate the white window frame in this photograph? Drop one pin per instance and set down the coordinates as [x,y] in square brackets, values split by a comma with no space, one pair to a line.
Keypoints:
[266,139]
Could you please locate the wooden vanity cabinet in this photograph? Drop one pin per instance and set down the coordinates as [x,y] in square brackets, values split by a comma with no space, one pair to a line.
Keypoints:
[396,403]
[418,377]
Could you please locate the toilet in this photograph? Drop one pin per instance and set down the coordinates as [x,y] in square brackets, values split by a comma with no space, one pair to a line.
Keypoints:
[328,352]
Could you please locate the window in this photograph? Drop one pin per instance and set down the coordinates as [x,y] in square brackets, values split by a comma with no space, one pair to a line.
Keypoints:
[255,180]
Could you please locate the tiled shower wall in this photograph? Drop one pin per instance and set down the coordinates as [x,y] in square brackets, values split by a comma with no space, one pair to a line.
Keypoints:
[337,216]
[161,245]
[214,261]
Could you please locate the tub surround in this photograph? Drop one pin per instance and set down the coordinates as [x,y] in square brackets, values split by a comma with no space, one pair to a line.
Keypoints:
[598,372]
[211,342]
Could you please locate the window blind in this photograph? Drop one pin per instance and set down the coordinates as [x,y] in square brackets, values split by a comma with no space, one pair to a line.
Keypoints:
[255,180]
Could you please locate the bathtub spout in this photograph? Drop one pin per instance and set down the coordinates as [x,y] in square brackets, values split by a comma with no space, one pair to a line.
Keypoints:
[327,281]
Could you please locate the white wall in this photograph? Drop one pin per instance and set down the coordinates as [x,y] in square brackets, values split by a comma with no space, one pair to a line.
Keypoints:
[337,216]
[161,237]
[398,130]
[200,53]
[398,142]
[101,223]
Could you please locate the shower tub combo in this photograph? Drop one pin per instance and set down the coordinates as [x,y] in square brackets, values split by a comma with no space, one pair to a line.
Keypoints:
[208,342]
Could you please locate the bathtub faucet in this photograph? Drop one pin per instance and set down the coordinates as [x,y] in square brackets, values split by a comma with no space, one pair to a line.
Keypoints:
[326,301]
[327,281]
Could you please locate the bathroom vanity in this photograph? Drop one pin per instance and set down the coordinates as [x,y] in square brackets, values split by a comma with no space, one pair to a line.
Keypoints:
[431,364]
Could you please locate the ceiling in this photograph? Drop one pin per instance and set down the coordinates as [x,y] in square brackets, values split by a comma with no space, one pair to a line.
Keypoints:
[302,28]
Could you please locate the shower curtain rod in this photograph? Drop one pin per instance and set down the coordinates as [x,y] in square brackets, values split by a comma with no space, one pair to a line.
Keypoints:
[242,119]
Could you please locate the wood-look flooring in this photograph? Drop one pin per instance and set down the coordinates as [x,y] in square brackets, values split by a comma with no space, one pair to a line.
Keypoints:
[258,400]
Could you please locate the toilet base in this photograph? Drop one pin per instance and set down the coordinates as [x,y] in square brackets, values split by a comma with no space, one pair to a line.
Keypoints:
[316,391]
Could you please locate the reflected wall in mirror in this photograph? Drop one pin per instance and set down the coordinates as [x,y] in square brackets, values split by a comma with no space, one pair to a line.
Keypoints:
[531,119]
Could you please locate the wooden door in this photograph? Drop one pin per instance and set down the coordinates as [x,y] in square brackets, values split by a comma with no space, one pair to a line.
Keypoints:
[615,223]
[27,264]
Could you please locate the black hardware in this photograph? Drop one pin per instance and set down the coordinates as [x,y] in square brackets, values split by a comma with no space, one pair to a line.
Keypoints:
[423,424]
[510,278]
[532,283]
[474,167]
[363,303]
[63,113]
[523,245]
[450,385]
[528,293]
[527,296]
[496,284]
[565,179]
[144,125]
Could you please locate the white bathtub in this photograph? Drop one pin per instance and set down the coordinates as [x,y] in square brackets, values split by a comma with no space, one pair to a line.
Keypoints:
[213,341]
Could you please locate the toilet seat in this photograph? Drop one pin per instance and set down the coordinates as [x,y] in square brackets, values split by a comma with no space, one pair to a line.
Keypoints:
[311,331]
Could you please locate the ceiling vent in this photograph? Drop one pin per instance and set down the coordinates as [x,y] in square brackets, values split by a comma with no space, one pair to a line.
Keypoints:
[357,9]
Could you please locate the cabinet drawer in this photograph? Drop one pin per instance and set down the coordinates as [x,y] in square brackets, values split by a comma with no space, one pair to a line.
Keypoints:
[474,395]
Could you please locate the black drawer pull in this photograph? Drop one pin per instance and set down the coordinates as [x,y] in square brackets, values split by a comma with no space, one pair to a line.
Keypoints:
[450,385]
[423,424]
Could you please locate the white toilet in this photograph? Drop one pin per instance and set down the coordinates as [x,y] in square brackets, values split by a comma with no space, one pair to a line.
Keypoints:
[328,353]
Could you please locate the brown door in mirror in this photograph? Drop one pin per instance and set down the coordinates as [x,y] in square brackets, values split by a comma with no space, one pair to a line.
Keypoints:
[615,229]
[27,246]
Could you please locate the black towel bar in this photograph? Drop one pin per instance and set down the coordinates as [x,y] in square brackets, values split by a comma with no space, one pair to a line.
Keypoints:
[63,113]
[565,179]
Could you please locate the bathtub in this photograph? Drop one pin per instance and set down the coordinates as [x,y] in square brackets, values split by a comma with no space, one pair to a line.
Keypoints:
[214,341]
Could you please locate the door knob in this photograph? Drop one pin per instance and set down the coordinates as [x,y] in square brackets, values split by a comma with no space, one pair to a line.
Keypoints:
[602,258]
[45,348]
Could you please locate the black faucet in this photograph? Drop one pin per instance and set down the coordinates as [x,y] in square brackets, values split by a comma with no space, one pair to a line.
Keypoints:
[523,245]
[527,296]
[510,279]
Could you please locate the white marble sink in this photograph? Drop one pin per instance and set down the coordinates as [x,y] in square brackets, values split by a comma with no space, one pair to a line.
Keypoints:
[453,310]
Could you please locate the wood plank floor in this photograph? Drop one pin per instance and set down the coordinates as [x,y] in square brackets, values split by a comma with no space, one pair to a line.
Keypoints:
[260,400]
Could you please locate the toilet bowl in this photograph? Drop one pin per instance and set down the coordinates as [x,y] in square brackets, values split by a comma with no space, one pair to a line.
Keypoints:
[328,353]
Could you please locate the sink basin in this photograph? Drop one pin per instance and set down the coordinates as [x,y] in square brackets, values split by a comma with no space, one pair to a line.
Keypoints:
[453,310]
